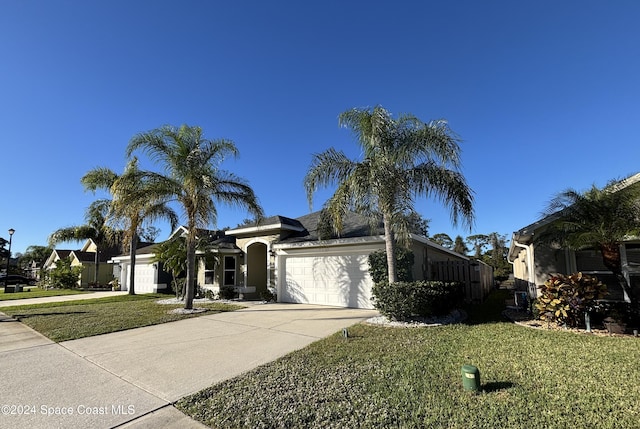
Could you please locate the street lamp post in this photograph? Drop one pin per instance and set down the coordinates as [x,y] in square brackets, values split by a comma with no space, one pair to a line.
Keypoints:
[6,278]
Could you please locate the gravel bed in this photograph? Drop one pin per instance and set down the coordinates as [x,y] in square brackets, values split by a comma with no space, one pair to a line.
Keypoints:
[456,316]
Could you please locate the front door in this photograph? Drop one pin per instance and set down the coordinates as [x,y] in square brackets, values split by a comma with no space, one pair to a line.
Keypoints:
[257,266]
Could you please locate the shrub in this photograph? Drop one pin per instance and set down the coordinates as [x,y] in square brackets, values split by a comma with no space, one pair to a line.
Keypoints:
[227,292]
[379,270]
[64,276]
[405,300]
[565,298]
[268,295]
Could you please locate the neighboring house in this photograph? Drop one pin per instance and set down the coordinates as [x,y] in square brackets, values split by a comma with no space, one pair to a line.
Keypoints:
[85,258]
[32,270]
[533,263]
[288,256]
[149,275]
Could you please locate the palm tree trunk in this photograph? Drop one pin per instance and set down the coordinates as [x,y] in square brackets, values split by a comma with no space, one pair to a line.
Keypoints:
[390,245]
[95,269]
[132,270]
[191,269]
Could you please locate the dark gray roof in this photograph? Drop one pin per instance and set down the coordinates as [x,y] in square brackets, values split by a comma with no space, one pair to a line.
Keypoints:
[271,220]
[353,225]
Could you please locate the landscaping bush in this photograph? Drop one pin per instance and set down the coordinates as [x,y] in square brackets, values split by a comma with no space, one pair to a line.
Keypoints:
[64,276]
[227,292]
[565,298]
[406,300]
[268,295]
[379,270]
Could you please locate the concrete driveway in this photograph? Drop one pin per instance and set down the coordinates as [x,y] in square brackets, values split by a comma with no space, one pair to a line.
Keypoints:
[131,378]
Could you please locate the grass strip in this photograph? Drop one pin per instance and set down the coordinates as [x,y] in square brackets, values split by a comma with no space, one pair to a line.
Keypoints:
[62,321]
[38,293]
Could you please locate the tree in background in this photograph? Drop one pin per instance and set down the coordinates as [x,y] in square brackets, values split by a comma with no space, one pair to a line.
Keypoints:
[416,224]
[443,240]
[497,256]
[34,253]
[478,242]
[403,159]
[193,179]
[460,246]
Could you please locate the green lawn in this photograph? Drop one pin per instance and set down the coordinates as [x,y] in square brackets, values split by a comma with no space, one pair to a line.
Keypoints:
[35,292]
[64,321]
[411,378]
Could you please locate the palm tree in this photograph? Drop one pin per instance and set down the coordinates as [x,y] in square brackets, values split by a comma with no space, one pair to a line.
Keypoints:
[134,202]
[403,159]
[597,218]
[194,180]
[95,229]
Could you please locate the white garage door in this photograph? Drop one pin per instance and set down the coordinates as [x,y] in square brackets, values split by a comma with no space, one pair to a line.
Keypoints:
[336,279]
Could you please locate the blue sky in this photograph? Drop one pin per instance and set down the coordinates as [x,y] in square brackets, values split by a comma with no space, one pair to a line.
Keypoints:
[544,94]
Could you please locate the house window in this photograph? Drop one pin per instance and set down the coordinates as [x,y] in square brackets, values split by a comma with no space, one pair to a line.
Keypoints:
[229,271]
[589,260]
[633,254]
[209,271]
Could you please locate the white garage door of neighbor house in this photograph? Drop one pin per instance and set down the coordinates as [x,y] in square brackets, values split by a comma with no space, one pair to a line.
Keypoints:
[341,280]
[145,278]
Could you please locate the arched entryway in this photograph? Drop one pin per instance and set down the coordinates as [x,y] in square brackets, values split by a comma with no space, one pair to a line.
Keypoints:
[257,267]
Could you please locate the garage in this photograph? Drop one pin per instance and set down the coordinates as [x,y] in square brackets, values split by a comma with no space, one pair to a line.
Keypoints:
[326,277]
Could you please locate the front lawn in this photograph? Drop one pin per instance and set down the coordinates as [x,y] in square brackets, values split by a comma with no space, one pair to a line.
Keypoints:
[62,321]
[35,292]
[411,378]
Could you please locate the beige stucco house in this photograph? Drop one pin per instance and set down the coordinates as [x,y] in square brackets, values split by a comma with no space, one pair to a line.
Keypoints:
[301,261]
[534,263]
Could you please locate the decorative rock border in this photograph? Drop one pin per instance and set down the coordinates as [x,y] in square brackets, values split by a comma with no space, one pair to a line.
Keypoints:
[456,316]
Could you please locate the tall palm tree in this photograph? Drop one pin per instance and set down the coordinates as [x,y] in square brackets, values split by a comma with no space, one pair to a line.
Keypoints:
[403,159]
[597,218]
[134,202]
[96,229]
[193,179]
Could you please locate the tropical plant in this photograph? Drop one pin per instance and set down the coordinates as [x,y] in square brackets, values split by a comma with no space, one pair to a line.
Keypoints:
[96,229]
[173,256]
[403,159]
[565,299]
[597,218]
[193,179]
[135,201]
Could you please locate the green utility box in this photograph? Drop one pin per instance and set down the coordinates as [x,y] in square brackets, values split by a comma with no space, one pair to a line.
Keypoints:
[470,378]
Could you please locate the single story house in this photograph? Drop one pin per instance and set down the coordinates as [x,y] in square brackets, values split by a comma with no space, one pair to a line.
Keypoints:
[534,263]
[149,275]
[303,262]
[85,257]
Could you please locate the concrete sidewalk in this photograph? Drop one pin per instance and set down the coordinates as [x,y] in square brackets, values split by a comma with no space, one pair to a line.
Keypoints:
[61,298]
[131,378]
